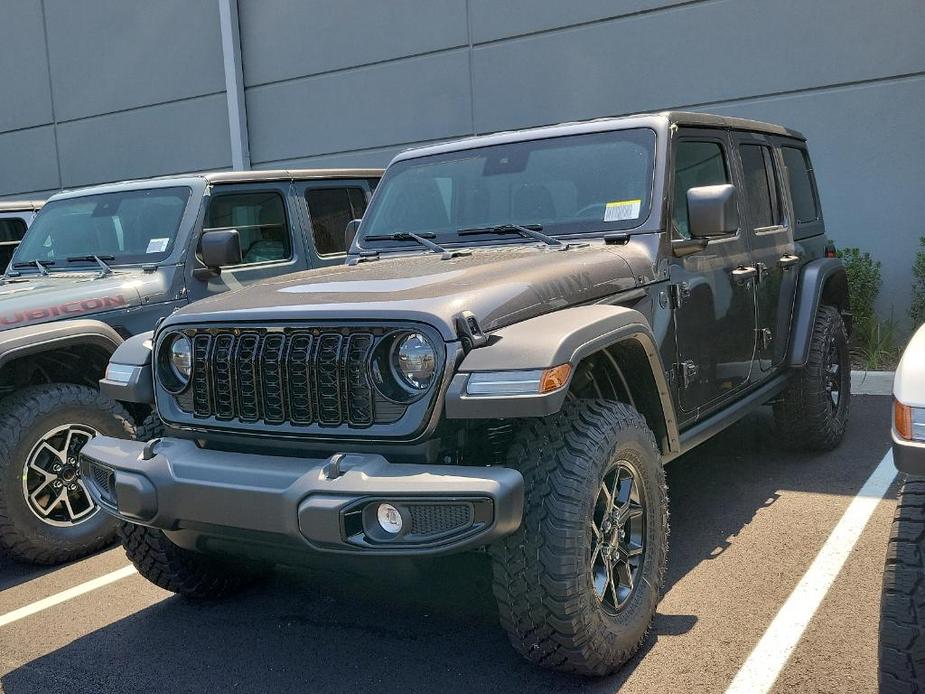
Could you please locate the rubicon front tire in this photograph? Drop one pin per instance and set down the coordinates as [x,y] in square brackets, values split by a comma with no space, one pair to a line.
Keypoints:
[578,584]
[902,607]
[46,514]
[813,411]
[180,571]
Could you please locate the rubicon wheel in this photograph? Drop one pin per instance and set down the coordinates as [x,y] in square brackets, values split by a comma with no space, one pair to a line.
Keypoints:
[813,411]
[578,584]
[46,514]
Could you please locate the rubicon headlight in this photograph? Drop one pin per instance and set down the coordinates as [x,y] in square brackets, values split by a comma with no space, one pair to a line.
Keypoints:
[181,357]
[909,422]
[415,361]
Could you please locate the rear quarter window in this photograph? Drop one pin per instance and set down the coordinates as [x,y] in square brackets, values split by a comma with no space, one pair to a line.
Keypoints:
[800,183]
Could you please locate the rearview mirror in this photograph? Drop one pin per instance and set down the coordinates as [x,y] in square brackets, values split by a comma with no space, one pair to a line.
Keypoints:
[218,249]
[712,211]
[350,233]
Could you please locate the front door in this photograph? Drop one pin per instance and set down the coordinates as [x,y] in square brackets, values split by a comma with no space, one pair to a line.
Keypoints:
[770,230]
[266,222]
[327,207]
[713,290]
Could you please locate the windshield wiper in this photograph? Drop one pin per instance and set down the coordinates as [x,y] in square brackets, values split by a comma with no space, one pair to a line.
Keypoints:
[422,239]
[530,231]
[98,259]
[40,264]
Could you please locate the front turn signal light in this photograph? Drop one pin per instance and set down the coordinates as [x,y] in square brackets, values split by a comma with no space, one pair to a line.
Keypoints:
[555,378]
[902,420]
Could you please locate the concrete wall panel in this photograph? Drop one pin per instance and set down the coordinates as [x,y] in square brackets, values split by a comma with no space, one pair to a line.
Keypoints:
[171,138]
[25,98]
[281,39]
[27,161]
[110,55]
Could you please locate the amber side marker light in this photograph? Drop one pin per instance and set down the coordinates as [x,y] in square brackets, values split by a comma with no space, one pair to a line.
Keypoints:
[902,420]
[555,378]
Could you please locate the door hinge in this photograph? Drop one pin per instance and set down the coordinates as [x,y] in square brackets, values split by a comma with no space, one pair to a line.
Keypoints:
[687,373]
[677,293]
[765,337]
[762,273]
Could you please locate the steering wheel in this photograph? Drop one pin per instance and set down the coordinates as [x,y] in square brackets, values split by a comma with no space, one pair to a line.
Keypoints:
[594,208]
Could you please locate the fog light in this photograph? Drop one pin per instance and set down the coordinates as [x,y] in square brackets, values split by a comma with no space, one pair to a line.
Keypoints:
[389,518]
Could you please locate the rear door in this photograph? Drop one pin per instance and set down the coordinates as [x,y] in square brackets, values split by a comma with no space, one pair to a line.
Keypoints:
[326,208]
[770,232]
[12,229]
[267,223]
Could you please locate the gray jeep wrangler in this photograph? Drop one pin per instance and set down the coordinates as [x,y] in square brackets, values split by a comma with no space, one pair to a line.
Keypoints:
[530,325]
[102,264]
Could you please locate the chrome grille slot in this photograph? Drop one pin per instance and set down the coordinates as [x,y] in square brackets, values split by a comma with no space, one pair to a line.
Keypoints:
[246,372]
[271,372]
[300,384]
[359,390]
[202,406]
[327,379]
[222,382]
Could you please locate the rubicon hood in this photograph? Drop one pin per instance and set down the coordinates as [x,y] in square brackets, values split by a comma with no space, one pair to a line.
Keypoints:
[59,295]
[499,285]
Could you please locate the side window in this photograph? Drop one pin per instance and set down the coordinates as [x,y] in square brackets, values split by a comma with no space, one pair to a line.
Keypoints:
[799,176]
[260,219]
[760,186]
[11,233]
[330,210]
[696,164]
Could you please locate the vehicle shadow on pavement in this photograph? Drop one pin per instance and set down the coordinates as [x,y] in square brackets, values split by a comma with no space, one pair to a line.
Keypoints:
[428,626]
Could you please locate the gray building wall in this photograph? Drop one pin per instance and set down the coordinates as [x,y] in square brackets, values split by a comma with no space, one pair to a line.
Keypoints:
[109,89]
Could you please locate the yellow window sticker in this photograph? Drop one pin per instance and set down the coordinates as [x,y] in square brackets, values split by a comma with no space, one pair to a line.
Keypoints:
[620,210]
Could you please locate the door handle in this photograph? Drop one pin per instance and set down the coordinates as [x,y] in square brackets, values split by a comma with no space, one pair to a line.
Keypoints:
[742,273]
[787,261]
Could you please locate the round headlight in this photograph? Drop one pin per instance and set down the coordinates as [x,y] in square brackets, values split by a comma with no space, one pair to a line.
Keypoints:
[415,361]
[181,358]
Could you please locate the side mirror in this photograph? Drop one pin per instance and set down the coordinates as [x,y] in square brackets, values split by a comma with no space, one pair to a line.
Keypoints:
[712,211]
[219,249]
[350,233]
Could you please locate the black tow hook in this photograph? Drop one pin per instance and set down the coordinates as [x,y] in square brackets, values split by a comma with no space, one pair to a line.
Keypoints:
[149,451]
[333,469]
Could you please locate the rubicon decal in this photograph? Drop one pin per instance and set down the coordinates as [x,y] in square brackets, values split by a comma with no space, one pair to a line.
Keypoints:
[69,308]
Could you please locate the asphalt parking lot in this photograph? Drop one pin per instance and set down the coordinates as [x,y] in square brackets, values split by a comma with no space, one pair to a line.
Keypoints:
[747,520]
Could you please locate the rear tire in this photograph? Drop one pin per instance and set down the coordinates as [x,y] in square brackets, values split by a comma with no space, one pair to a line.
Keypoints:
[180,571]
[552,577]
[64,417]
[902,607]
[813,411]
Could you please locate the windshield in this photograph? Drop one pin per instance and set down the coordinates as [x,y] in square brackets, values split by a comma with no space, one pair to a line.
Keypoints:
[565,185]
[137,226]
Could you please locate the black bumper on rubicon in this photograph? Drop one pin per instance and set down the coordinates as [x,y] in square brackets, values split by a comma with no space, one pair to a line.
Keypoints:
[207,499]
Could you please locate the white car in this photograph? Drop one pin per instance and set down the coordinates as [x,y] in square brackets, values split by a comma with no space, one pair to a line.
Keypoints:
[902,609]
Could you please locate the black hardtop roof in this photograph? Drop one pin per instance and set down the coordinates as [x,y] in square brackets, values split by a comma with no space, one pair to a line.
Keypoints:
[656,121]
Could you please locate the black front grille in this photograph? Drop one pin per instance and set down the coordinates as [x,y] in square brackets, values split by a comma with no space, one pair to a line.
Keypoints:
[293,376]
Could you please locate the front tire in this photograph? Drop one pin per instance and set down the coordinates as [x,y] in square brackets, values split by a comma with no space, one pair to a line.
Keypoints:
[179,570]
[812,413]
[46,514]
[902,607]
[578,584]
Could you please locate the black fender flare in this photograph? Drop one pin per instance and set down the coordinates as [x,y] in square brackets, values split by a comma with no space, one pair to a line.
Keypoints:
[565,336]
[823,280]
[35,339]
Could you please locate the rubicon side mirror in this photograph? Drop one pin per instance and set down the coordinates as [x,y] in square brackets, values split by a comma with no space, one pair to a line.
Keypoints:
[219,248]
[712,211]
[350,233]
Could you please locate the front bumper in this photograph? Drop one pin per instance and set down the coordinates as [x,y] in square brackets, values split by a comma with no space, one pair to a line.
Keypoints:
[908,456]
[198,495]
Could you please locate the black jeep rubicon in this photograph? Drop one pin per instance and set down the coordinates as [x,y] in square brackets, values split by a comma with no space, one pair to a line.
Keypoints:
[531,324]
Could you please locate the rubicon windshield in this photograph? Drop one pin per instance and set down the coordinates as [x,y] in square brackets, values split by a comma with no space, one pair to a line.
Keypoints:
[563,185]
[137,226]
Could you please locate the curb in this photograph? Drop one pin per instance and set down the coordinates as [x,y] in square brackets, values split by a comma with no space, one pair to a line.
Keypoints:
[871,382]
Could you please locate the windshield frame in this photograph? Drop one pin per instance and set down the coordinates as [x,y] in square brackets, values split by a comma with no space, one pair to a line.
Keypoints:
[650,213]
[176,246]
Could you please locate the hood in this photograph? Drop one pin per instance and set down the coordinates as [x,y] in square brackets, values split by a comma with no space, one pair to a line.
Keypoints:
[37,298]
[500,285]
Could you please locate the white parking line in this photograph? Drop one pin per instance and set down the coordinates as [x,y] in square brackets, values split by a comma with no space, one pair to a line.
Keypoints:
[772,652]
[64,595]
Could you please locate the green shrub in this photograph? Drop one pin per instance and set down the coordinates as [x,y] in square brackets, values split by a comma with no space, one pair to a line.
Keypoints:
[876,345]
[917,309]
[863,287]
